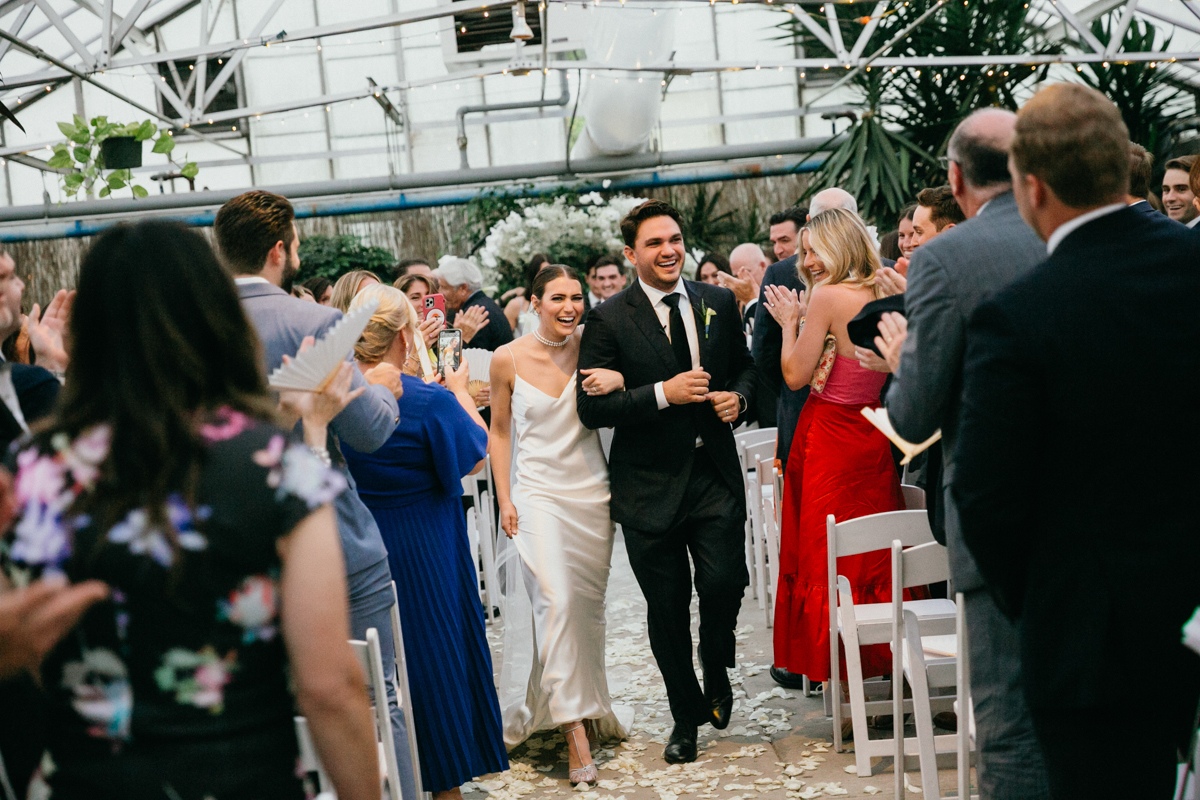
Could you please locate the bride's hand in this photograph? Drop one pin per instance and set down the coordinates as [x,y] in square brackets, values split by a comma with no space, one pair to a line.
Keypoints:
[602,381]
[508,518]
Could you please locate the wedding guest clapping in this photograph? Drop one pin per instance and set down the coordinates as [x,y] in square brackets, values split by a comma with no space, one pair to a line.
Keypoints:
[413,487]
[841,464]
[162,476]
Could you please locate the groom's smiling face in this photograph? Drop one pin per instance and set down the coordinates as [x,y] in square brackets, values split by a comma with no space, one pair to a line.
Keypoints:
[657,252]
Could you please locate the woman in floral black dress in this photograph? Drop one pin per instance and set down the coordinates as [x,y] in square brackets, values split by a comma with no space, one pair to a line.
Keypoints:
[163,476]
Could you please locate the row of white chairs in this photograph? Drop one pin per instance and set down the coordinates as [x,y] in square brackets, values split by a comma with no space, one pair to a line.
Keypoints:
[927,639]
[370,659]
[482,530]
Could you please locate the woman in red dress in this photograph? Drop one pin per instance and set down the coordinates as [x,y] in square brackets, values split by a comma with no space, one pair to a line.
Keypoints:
[839,463]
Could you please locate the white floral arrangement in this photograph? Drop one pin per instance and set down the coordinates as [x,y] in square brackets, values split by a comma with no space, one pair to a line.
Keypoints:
[564,231]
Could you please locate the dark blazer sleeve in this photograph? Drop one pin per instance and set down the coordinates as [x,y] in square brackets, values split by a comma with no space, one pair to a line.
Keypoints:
[998,438]
[599,348]
[37,389]
[920,395]
[743,377]
[767,342]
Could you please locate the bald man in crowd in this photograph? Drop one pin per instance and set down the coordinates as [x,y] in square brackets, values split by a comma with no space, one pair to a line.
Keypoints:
[748,263]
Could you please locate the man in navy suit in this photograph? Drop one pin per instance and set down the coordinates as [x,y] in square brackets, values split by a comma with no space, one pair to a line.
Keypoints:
[258,242]
[1141,165]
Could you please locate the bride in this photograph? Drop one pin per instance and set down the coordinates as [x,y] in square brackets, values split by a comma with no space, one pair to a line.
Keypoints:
[555,511]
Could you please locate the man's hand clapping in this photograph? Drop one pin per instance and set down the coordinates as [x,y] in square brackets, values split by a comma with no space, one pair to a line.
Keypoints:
[890,282]
[471,321]
[743,286]
[47,332]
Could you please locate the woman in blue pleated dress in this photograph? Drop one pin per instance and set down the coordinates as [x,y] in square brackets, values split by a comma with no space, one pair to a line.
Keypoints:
[413,487]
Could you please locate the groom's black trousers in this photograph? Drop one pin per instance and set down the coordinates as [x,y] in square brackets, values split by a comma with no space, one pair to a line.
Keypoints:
[710,524]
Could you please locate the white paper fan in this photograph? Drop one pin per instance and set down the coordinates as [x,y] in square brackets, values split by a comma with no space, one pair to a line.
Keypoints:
[311,370]
[479,363]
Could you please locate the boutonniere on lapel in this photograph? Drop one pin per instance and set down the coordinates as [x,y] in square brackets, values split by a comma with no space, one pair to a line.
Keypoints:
[708,313]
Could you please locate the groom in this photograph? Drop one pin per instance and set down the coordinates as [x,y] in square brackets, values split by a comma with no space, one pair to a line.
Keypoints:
[676,478]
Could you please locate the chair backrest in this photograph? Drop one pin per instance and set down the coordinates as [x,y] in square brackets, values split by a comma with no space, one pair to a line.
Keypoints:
[755,452]
[917,566]
[370,658]
[876,532]
[747,438]
[309,761]
[404,693]
[914,497]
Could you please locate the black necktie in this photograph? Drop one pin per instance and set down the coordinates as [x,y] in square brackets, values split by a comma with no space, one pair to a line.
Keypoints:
[679,341]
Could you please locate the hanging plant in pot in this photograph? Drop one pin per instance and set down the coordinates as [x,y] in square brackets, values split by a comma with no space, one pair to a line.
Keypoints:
[105,153]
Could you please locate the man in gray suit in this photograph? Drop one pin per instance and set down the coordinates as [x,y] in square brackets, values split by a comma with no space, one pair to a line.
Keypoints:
[947,279]
[258,242]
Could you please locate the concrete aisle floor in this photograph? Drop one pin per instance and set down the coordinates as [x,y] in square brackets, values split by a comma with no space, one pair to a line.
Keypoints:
[778,745]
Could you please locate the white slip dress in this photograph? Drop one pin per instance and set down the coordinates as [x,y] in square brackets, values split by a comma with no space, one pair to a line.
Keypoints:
[563,548]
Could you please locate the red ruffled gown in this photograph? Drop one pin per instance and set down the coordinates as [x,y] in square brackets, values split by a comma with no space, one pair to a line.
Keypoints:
[839,464]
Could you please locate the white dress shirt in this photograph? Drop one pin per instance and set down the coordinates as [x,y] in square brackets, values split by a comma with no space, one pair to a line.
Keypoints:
[664,318]
[1063,230]
[1194,222]
[243,280]
[8,394]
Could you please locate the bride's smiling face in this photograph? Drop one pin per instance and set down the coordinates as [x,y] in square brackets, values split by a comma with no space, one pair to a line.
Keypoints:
[560,307]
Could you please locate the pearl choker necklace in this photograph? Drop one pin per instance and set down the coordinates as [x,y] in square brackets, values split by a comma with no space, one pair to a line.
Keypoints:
[537,334]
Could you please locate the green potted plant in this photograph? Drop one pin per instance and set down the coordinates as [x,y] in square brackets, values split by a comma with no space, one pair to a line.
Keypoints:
[105,152]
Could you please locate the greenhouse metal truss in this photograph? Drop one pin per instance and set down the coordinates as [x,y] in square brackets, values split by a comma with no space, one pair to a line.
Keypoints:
[131,43]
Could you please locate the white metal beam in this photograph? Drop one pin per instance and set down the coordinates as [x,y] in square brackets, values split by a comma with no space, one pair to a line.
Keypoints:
[815,29]
[835,32]
[126,24]
[1060,7]
[237,57]
[1118,35]
[201,66]
[865,36]
[106,33]
[1187,26]
[16,27]
[68,34]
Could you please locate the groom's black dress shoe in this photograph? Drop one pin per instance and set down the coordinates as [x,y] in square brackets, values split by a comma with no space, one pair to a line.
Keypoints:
[719,694]
[681,747]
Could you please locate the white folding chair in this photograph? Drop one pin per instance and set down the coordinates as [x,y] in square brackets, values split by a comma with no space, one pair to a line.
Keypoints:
[857,625]
[914,497]
[754,499]
[766,528]
[966,721]
[404,695]
[370,658]
[934,665]
[481,540]
[309,762]
[741,441]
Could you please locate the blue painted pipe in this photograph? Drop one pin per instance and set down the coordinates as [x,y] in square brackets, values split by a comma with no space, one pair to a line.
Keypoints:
[399,201]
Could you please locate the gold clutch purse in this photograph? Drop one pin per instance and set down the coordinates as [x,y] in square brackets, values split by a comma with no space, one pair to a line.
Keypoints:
[825,365]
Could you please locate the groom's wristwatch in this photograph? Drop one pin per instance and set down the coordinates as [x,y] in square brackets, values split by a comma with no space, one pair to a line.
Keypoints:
[742,404]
